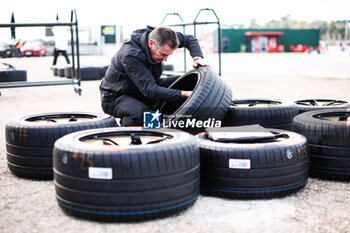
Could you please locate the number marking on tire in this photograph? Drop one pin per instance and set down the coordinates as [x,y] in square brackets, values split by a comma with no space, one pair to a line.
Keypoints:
[86,161]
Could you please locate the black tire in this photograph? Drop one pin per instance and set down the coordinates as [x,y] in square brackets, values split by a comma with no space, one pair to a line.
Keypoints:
[91,73]
[167,67]
[29,142]
[254,170]
[68,72]
[320,104]
[61,72]
[13,75]
[208,103]
[104,70]
[270,113]
[137,182]
[329,142]
[55,71]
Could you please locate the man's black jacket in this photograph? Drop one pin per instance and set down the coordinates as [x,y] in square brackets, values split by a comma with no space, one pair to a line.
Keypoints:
[133,72]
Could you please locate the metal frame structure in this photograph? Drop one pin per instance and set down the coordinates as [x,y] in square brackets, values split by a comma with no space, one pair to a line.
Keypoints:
[76,77]
[194,24]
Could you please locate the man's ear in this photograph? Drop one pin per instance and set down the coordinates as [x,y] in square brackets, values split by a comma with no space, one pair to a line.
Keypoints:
[151,42]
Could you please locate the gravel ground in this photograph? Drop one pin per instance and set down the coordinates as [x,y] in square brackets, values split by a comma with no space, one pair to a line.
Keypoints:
[322,206]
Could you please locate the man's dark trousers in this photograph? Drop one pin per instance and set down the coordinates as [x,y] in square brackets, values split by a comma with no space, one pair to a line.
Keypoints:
[56,53]
[130,109]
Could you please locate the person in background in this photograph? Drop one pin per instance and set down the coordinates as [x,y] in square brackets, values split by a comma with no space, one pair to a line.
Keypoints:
[225,44]
[18,48]
[132,82]
[61,43]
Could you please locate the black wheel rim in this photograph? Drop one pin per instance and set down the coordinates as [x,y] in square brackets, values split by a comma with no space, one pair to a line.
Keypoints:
[278,137]
[124,139]
[255,103]
[321,102]
[334,116]
[60,118]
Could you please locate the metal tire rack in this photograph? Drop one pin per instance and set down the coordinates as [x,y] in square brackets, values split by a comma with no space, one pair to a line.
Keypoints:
[194,24]
[76,77]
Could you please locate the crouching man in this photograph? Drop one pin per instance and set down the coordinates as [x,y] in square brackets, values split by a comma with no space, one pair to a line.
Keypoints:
[132,82]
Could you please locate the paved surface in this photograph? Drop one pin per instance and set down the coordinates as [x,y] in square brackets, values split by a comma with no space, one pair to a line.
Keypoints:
[323,206]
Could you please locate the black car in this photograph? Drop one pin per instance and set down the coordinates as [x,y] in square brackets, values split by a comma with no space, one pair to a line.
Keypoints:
[5,50]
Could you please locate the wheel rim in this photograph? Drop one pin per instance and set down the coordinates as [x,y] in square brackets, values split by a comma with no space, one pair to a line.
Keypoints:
[278,137]
[124,139]
[255,103]
[334,116]
[60,118]
[321,102]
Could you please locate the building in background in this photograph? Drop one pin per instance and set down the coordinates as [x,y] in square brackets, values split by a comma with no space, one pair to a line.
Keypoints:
[268,40]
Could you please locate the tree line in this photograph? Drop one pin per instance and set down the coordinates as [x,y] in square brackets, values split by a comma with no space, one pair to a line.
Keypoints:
[334,30]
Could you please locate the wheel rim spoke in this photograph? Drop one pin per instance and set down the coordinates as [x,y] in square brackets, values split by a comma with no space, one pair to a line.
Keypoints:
[135,140]
[64,118]
[108,141]
[125,140]
[340,116]
[305,104]
[321,102]
[345,117]
[254,103]
[278,137]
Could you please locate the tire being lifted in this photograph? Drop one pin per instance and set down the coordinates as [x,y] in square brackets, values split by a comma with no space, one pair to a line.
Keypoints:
[126,174]
[320,104]
[30,139]
[328,134]
[209,101]
[254,169]
[270,113]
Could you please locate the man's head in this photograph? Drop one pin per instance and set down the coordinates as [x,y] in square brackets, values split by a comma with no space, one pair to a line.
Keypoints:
[162,42]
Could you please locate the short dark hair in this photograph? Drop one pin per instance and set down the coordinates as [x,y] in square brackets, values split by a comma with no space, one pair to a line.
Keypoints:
[164,36]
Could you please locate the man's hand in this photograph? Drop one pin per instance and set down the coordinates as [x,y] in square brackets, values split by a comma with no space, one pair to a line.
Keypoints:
[198,61]
[186,94]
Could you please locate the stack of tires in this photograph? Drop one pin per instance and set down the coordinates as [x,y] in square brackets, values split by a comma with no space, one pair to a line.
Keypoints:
[30,139]
[253,168]
[126,174]
[86,73]
[117,174]
[328,133]
[324,123]
[108,173]
[277,167]
[130,174]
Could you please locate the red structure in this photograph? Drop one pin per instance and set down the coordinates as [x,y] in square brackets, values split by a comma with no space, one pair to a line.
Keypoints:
[264,41]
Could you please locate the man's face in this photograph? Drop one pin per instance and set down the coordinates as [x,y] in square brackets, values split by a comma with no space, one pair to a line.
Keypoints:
[158,55]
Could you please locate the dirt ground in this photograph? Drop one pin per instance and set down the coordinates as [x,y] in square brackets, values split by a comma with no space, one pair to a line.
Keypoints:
[322,206]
